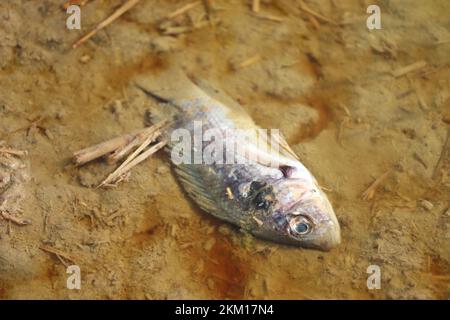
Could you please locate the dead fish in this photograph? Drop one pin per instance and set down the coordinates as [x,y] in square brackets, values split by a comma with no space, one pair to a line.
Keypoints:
[281,203]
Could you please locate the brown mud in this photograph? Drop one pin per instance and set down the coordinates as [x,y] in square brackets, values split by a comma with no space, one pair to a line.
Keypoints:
[328,88]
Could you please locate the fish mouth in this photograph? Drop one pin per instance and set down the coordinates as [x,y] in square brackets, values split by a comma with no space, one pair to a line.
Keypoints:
[331,238]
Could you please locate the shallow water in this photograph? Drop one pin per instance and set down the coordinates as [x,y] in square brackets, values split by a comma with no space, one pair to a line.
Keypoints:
[329,88]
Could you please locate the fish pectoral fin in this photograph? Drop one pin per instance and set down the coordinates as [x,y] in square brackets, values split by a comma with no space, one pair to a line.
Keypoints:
[204,192]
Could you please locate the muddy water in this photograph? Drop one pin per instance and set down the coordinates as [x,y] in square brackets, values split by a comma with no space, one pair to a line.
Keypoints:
[328,88]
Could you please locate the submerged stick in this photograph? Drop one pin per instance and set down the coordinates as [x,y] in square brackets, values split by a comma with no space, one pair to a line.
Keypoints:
[16,220]
[410,68]
[256,5]
[124,8]
[58,253]
[442,156]
[183,9]
[133,160]
[319,16]
[370,192]
[13,152]
[246,62]
[153,133]
[86,155]
[267,17]
[115,145]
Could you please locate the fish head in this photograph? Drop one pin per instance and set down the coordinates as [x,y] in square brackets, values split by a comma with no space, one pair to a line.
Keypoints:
[301,215]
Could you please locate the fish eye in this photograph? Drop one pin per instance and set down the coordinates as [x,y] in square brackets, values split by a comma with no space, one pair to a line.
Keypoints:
[300,226]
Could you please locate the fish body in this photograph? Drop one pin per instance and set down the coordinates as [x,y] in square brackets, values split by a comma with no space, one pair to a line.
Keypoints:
[265,192]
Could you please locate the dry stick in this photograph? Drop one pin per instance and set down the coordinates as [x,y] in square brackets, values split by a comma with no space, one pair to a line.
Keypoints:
[267,17]
[183,9]
[13,152]
[442,156]
[370,192]
[417,91]
[57,252]
[120,170]
[74,2]
[246,62]
[18,221]
[314,22]
[83,156]
[186,29]
[207,4]
[436,69]
[124,8]
[319,16]
[256,6]
[442,42]
[154,131]
[410,68]
[123,151]
[88,154]
[132,161]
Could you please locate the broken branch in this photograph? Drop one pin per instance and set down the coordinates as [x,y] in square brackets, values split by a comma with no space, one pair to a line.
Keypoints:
[16,220]
[183,9]
[124,8]
[319,16]
[14,152]
[133,160]
[88,154]
[58,253]
[410,68]
[370,192]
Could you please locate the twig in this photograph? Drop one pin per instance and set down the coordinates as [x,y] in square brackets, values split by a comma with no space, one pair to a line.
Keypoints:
[246,62]
[18,221]
[153,132]
[13,152]
[421,100]
[256,6]
[132,161]
[319,16]
[410,68]
[124,8]
[207,4]
[185,29]
[183,9]
[74,2]
[340,131]
[33,125]
[442,42]
[229,193]
[442,156]
[267,17]
[58,253]
[436,69]
[370,192]
[88,154]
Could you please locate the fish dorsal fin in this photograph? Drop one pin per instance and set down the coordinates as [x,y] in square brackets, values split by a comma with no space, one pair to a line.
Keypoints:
[284,147]
[170,85]
[216,94]
[174,86]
